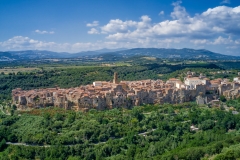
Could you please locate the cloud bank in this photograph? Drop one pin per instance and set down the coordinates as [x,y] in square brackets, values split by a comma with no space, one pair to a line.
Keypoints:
[216,29]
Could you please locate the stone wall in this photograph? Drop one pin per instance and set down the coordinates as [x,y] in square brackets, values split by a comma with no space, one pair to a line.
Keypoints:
[111,95]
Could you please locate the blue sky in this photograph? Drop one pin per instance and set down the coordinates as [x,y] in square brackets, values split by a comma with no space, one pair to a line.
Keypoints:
[80,25]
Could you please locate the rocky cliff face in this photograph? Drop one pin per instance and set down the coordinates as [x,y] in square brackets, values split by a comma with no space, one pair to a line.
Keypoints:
[110,96]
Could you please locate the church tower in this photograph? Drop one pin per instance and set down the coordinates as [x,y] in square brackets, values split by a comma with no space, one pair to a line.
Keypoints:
[115,78]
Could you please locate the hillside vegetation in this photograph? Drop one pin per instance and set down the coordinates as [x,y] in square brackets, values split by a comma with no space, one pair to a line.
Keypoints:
[146,132]
[76,76]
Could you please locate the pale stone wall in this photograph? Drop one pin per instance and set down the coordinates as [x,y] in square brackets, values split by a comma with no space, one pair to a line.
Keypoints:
[124,94]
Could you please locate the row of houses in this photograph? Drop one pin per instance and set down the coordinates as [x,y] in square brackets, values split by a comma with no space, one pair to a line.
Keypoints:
[106,95]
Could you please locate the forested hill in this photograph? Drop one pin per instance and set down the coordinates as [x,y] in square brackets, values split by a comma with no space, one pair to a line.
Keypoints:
[118,54]
[150,132]
[184,53]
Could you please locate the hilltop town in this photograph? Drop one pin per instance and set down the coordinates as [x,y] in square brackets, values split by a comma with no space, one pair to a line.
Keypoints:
[107,95]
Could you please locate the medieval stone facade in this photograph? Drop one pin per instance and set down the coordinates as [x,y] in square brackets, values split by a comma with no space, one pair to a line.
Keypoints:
[106,95]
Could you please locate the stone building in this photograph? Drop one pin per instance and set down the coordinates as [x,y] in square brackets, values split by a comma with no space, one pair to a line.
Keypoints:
[107,95]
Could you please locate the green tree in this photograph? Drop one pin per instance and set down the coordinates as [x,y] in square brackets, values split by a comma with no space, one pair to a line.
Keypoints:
[3,144]
[223,98]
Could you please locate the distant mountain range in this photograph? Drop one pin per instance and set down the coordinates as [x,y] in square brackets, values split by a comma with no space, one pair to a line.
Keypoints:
[42,54]
[117,54]
[184,53]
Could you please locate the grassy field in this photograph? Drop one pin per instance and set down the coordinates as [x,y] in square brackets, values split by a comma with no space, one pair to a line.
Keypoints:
[15,70]
[67,67]
[150,58]
[115,64]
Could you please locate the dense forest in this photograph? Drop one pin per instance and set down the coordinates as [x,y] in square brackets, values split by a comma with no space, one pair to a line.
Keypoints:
[229,65]
[73,77]
[144,132]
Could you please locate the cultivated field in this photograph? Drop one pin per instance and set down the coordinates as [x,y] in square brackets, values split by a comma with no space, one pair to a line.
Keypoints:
[15,70]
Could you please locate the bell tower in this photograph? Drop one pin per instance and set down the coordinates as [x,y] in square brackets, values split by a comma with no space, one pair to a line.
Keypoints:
[115,78]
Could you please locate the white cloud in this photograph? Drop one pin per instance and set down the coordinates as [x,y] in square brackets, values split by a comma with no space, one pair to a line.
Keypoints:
[215,26]
[20,42]
[222,40]
[93,31]
[44,32]
[117,25]
[199,41]
[179,12]
[161,13]
[225,2]
[217,29]
[93,24]
[25,43]
[124,27]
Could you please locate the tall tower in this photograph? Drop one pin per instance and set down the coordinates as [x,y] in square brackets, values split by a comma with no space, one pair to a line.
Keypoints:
[115,78]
